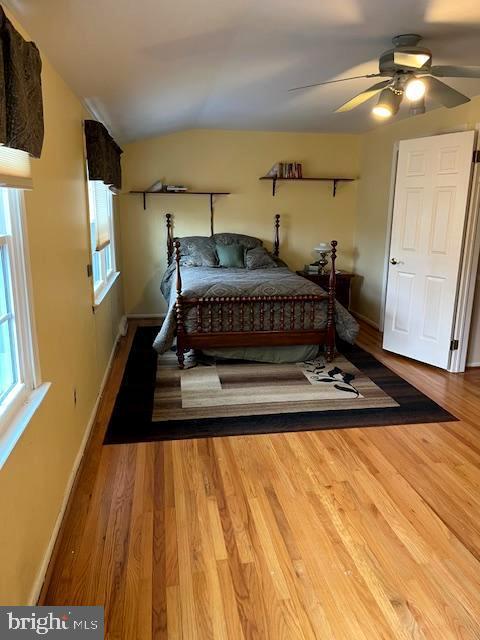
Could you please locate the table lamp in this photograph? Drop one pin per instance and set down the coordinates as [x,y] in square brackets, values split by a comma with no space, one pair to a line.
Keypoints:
[323,249]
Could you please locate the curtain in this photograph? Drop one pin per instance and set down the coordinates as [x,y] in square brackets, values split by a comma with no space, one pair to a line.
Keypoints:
[103,155]
[21,106]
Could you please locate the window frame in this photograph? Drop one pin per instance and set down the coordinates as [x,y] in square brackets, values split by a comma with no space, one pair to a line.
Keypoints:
[101,287]
[24,398]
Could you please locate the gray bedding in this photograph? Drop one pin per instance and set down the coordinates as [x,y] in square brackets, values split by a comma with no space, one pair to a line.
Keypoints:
[215,281]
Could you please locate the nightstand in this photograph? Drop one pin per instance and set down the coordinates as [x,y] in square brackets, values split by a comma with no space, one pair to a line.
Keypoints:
[342,286]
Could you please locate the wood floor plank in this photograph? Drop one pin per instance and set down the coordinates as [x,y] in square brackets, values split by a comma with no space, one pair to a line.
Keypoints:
[361,534]
[112,581]
[185,578]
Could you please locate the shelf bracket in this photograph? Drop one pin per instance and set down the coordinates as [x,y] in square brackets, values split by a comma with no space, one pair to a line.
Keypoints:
[274,186]
[334,187]
[211,214]
[144,201]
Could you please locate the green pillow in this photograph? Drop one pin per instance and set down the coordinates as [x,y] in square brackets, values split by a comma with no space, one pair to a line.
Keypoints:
[230,255]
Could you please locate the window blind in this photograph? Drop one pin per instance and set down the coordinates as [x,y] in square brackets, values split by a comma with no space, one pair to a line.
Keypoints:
[15,168]
[101,202]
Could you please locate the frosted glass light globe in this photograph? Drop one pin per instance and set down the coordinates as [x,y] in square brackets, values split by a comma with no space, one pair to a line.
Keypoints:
[415,90]
[381,111]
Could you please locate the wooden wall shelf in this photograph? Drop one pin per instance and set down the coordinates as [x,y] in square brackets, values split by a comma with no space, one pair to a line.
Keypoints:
[211,195]
[334,181]
[180,193]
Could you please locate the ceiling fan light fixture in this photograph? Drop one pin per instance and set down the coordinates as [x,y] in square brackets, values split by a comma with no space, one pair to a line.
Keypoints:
[415,90]
[388,104]
[410,73]
[382,111]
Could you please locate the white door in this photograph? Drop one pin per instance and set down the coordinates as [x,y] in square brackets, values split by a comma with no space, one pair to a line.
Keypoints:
[429,213]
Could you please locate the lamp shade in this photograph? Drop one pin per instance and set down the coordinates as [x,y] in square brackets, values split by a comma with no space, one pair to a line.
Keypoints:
[323,247]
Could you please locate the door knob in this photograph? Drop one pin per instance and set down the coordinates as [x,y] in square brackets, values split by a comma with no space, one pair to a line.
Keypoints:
[394,261]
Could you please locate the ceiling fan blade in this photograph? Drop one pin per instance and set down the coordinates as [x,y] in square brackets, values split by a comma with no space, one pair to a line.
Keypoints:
[360,98]
[411,60]
[442,93]
[455,72]
[319,84]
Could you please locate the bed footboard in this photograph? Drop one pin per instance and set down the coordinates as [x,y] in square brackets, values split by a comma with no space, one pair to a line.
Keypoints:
[230,321]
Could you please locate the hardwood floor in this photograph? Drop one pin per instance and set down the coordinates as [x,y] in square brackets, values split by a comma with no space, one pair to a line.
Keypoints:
[351,534]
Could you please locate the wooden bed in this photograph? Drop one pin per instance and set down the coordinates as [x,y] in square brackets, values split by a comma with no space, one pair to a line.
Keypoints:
[273,328]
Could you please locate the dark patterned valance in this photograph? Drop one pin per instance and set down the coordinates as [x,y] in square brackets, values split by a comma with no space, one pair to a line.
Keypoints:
[21,107]
[103,155]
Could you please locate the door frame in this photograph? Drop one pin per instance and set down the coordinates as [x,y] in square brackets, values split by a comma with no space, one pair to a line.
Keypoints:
[388,236]
[468,269]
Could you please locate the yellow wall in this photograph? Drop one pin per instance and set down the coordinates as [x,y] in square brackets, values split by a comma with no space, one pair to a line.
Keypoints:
[74,345]
[233,161]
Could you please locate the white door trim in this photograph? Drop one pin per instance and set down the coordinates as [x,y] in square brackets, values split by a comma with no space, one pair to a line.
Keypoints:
[388,237]
[468,273]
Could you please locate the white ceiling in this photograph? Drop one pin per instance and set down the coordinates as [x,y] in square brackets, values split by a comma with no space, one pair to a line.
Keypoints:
[147,67]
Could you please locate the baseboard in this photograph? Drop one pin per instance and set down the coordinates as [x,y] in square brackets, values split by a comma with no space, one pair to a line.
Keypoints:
[368,321]
[470,365]
[139,316]
[38,584]
[123,326]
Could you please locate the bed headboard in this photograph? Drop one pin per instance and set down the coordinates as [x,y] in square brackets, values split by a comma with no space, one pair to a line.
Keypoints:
[171,247]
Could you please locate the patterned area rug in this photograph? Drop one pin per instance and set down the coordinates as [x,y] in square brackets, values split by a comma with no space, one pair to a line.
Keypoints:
[236,388]
[157,401]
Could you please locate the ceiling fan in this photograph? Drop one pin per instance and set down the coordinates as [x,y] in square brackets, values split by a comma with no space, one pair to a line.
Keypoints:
[410,73]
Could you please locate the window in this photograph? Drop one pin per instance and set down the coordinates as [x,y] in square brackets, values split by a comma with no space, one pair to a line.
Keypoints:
[20,391]
[102,238]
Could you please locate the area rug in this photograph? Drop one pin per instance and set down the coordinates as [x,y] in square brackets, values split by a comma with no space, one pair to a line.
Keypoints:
[158,401]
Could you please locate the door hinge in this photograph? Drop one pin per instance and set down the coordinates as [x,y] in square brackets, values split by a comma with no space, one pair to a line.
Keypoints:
[453,345]
[89,271]
[476,156]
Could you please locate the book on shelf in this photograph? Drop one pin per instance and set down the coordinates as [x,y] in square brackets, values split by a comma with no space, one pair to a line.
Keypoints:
[161,187]
[286,170]
[172,188]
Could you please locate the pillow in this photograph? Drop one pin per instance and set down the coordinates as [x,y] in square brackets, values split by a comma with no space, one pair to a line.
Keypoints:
[247,242]
[259,258]
[230,256]
[197,251]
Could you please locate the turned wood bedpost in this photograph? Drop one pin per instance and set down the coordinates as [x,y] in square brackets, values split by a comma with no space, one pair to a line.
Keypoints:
[331,305]
[276,241]
[179,310]
[168,217]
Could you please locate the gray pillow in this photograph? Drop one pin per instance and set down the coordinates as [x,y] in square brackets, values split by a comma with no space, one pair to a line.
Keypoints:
[259,258]
[247,242]
[197,251]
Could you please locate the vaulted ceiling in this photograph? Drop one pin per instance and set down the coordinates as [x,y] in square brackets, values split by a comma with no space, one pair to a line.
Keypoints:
[147,67]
